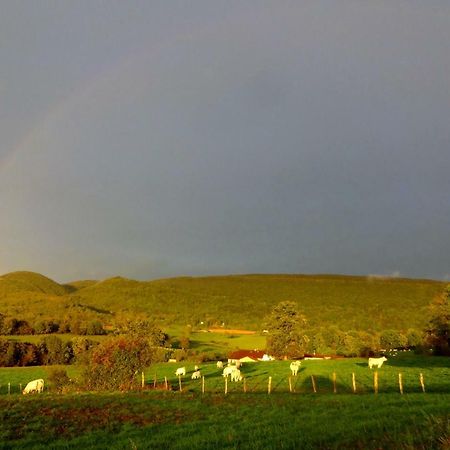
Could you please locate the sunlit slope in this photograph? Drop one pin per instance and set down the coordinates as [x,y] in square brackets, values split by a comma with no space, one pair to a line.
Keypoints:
[16,282]
[242,301]
[28,295]
[239,301]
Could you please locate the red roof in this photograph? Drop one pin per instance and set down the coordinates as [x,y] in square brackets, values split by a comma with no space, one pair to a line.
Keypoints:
[254,354]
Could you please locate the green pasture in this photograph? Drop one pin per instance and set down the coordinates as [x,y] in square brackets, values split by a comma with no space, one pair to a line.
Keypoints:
[207,342]
[159,418]
[170,420]
[435,372]
[65,337]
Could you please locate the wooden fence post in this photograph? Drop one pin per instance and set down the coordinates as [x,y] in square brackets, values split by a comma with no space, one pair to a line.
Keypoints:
[422,383]
[400,383]
[20,387]
[179,382]
[154,381]
[9,388]
[290,385]
[226,385]
[142,380]
[375,382]
[334,383]
[203,384]
[269,386]
[313,382]
[166,384]
[245,385]
[354,382]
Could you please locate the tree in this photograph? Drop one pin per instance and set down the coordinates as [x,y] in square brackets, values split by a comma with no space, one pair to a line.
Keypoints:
[53,350]
[438,329]
[286,325]
[114,363]
[145,329]
[391,339]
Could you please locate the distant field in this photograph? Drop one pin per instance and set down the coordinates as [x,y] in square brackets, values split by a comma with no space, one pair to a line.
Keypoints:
[205,342]
[190,420]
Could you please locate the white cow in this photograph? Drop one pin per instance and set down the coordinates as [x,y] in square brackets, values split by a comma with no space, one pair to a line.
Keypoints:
[196,375]
[228,370]
[219,364]
[181,371]
[236,375]
[34,386]
[377,362]
[295,365]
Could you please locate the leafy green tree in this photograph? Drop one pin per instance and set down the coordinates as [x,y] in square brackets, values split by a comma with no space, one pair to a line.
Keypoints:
[390,339]
[334,339]
[286,327]
[146,329]
[53,350]
[414,337]
[438,329]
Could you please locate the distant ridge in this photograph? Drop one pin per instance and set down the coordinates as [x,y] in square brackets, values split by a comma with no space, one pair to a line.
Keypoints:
[238,301]
[24,281]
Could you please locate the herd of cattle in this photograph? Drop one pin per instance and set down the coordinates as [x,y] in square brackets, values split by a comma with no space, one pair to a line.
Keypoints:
[232,371]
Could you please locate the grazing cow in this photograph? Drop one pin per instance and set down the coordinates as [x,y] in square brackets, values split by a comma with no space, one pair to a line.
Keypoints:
[34,386]
[377,362]
[181,371]
[196,375]
[295,365]
[236,375]
[219,364]
[228,370]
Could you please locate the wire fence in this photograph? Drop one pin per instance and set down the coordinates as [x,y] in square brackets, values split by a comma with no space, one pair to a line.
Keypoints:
[336,383]
[373,382]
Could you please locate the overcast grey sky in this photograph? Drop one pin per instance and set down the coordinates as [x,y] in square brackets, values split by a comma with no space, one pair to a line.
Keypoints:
[160,138]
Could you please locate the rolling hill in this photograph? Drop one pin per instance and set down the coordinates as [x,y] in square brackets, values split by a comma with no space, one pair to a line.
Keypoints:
[241,301]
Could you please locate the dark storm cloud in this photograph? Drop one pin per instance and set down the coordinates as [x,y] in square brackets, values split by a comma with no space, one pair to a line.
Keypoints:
[152,139]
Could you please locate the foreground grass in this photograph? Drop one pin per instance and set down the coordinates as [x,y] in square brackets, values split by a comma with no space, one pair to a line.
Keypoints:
[155,418]
[191,421]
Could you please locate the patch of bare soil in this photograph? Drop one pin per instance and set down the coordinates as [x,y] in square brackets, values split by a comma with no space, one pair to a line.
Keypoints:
[230,331]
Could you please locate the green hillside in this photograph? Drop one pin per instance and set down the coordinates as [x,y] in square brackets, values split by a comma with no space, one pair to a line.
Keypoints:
[16,282]
[239,301]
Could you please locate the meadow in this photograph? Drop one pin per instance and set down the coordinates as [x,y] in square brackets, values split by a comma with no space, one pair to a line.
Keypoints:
[156,418]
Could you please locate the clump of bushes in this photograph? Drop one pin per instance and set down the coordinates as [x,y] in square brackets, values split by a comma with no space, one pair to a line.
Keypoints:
[59,380]
[114,364]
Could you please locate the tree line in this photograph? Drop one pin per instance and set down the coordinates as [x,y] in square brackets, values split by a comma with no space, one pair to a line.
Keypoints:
[13,326]
[289,335]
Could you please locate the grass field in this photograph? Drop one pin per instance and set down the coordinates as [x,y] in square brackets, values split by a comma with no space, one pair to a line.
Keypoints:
[155,418]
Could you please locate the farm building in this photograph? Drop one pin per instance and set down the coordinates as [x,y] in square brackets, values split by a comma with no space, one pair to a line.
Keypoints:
[248,356]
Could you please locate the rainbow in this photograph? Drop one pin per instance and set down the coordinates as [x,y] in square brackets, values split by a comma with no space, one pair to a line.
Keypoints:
[126,68]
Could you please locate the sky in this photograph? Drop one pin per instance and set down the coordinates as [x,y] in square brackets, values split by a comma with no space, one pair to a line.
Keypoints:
[152,139]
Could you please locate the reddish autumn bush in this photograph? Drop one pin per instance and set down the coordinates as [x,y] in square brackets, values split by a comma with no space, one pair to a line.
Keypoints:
[114,364]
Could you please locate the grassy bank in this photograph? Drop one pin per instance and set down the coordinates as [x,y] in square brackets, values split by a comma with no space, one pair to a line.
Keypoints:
[191,421]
